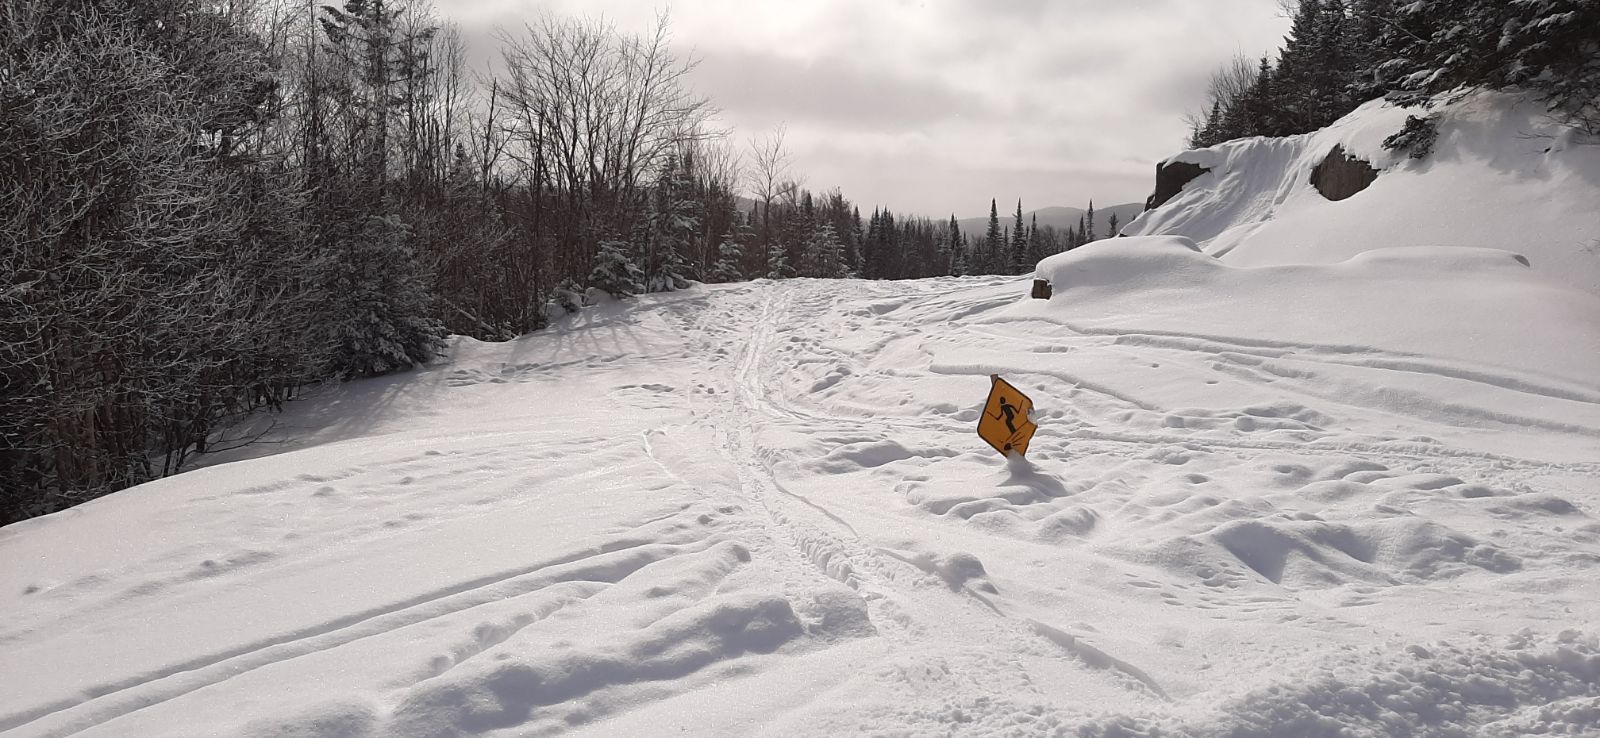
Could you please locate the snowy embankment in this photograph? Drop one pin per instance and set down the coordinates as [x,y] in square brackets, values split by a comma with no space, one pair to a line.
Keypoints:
[1502,175]
[1350,496]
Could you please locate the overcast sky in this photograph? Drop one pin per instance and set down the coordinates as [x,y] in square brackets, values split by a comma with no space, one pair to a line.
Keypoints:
[934,106]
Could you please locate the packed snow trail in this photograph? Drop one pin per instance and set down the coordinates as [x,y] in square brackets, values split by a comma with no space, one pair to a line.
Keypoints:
[762,509]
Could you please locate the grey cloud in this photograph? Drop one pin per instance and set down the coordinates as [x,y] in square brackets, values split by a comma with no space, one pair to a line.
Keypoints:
[832,91]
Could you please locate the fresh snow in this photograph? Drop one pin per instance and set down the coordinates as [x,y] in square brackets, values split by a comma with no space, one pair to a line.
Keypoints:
[1503,176]
[1344,492]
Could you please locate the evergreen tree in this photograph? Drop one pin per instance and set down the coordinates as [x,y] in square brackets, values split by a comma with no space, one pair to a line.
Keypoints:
[1297,67]
[1258,115]
[960,262]
[1036,245]
[824,254]
[730,257]
[778,264]
[993,243]
[1332,74]
[615,273]
[1369,19]
[1549,46]
[1211,132]
[1088,224]
[1113,228]
[1019,244]
[381,301]
[853,256]
[673,222]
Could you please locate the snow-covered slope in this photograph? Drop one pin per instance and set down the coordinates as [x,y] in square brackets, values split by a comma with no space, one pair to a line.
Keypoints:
[1502,175]
[1309,489]
[762,509]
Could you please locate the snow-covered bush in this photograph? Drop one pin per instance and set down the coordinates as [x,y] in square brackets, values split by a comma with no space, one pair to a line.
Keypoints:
[1416,138]
[381,304]
[614,272]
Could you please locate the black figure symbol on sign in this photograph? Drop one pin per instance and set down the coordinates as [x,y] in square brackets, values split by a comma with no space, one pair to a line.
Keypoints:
[1010,413]
[1005,424]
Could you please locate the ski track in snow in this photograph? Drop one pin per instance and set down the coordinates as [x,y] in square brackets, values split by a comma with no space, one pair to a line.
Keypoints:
[794,500]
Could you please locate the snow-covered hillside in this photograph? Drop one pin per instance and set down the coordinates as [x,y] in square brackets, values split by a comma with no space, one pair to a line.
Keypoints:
[1303,492]
[1503,175]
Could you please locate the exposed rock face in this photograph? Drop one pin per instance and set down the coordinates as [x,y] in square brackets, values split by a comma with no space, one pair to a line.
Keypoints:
[1340,175]
[1041,289]
[1171,176]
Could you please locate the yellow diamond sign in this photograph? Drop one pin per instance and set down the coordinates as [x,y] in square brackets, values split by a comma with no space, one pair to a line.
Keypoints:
[1004,423]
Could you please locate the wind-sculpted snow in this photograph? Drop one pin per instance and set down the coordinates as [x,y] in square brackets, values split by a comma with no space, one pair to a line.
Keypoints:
[762,509]
[1503,175]
[1286,501]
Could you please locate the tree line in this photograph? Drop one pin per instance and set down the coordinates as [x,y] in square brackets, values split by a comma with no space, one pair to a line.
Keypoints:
[1341,53]
[207,207]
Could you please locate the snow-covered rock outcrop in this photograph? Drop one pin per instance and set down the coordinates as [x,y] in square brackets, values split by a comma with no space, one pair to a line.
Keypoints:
[1502,175]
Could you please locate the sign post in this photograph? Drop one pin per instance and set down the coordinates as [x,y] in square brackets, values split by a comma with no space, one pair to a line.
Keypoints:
[1004,423]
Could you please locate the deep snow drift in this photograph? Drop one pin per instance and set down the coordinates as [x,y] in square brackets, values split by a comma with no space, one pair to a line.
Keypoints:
[1502,175]
[1344,497]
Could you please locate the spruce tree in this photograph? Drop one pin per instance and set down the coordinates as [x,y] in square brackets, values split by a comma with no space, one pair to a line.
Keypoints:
[381,301]
[673,222]
[1297,68]
[960,264]
[1019,244]
[778,264]
[1036,245]
[615,272]
[730,258]
[1549,46]
[1369,19]
[824,254]
[852,253]
[993,243]
[1212,131]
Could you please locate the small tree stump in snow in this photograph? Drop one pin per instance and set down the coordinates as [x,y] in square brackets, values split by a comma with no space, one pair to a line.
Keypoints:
[1041,289]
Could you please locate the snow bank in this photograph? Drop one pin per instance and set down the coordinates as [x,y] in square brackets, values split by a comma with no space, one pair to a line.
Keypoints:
[1439,307]
[1501,176]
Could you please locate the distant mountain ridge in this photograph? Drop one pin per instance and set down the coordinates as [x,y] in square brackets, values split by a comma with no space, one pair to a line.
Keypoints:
[1058,217]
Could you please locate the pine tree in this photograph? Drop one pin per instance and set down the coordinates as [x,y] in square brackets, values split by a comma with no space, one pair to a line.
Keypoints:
[377,51]
[1297,67]
[615,273]
[960,262]
[853,245]
[1550,46]
[944,255]
[1036,245]
[1369,19]
[993,243]
[730,257]
[824,255]
[1333,68]
[381,301]
[1113,230]
[1088,224]
[1019,244]
[674,221]
[777,266]
[1210,133]
[1257,115]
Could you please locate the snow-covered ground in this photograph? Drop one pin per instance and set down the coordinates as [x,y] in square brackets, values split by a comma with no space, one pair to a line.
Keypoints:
[1345,497]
